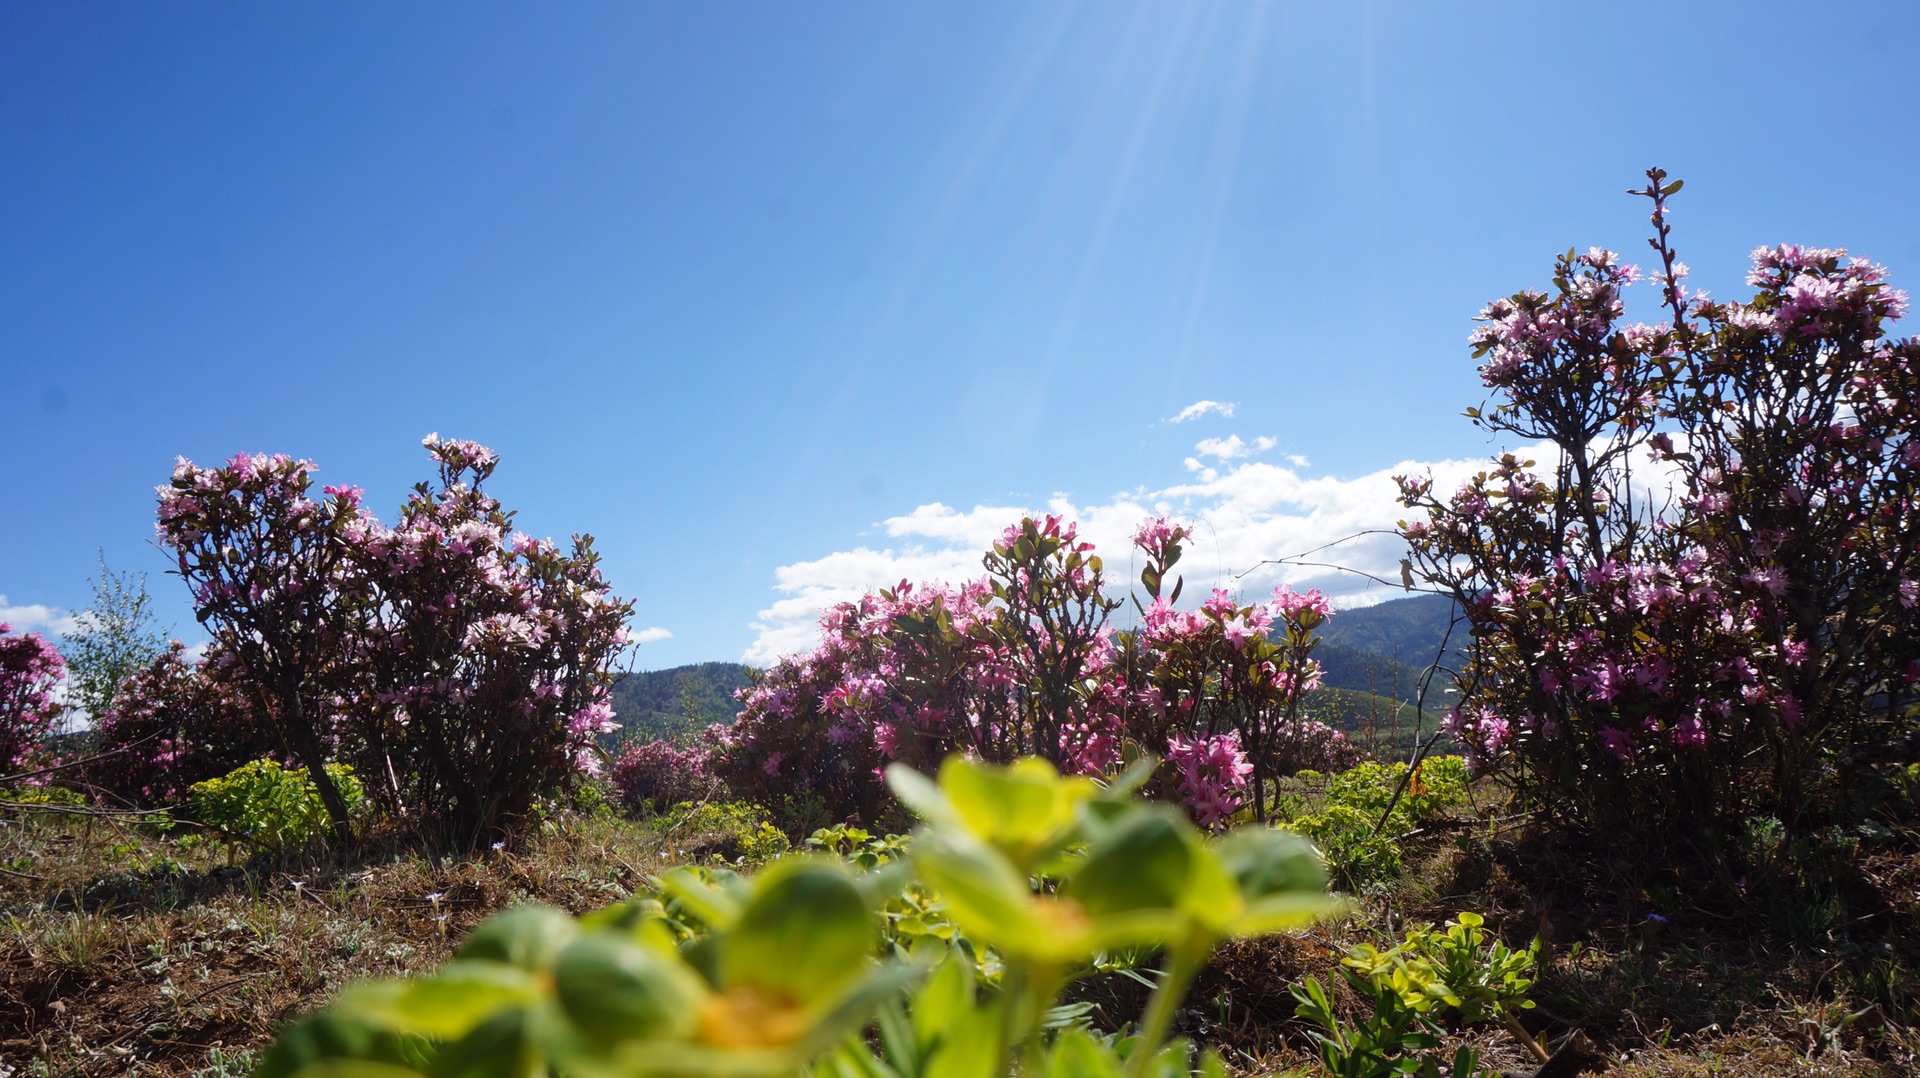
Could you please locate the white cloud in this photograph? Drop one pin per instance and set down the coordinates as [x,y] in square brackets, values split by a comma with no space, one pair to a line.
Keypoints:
[1200,408]
[1245,515]
[38,618]
[1231,447]
[649,635]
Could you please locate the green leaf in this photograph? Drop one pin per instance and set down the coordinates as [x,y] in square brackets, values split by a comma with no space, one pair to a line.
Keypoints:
[982,892]
[972,1049]
[806,933]
[1076,1054]
[507,1045]
[458,997]
[529,938]
[1128,782]
[1283,913]
[614,989]
[354,1068]
[920,795]
[896,1036]
[943,1000]
[333,1036]
[1143,860]
[855,1008]
[716,907]
[1264,861]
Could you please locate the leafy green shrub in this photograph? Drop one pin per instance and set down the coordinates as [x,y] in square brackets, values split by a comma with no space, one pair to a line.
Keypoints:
[732,830]
[1392,1042]
[1360,846]
[270,807]
[785,974]
[42,795]
[1455,969]
[858,846]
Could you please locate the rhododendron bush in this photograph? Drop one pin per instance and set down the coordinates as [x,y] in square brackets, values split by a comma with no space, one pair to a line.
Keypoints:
[172,724]
[461,668]
[486,655]
[653,776]
[1024,661]
[30,673]
[1232,677]
[1743,643]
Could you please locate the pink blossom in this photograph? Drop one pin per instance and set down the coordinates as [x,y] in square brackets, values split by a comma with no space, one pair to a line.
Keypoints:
[1618,742]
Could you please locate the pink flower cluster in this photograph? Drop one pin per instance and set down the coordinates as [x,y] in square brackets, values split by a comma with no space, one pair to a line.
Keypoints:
[175,723]
[1213,773]
[653,776]
[31,671]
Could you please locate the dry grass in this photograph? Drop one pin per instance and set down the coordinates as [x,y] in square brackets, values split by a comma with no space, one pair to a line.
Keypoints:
[134,953]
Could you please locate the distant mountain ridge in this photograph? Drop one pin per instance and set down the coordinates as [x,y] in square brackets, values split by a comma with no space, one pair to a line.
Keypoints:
[1371,661]
[676,703]
[1383,649]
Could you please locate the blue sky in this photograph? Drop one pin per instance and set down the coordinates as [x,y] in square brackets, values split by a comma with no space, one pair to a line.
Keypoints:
[783,300]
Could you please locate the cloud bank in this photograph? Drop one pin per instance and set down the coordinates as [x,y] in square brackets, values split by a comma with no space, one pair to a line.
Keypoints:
[651,634]
[1245,516]
[38,618]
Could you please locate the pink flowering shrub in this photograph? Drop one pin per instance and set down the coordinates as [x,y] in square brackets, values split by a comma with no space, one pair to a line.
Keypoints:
[30,672]
[486,656]
[1023,661]
[461,668]
[653,776]
[263,562]
[1745,645]
[1050,591]
[1199,675]
[173,723]
[909,673]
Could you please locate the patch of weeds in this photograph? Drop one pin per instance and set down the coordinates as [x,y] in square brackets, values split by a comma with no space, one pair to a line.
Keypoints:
[731,831]
[1366,810]
[74,940]
[228,1063]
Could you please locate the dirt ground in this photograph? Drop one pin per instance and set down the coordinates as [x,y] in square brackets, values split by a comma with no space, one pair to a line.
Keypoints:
[128,953]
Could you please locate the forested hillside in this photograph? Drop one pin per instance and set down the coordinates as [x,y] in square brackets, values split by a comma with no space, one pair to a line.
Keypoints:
[1382,650]
[678,702]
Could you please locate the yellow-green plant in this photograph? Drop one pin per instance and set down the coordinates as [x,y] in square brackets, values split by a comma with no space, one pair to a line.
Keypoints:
[858,846]
[753,838]
[1455,968]
[1395,1041]
[1368,807]
[786,973]
[269,807]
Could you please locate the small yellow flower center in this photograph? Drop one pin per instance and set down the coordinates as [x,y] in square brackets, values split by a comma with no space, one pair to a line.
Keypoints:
[1063,916]
[745,1017]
